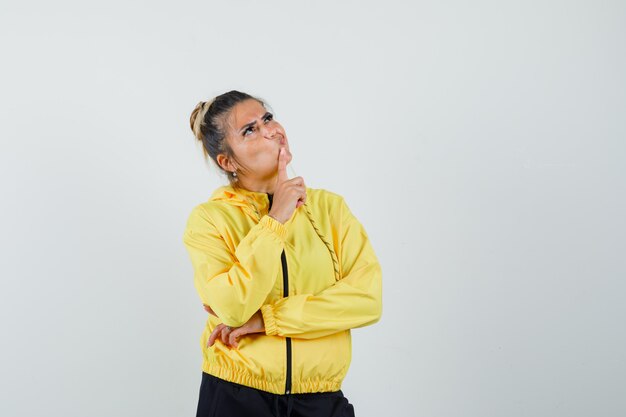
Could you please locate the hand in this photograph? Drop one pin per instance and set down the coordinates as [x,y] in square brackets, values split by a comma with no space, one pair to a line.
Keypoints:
[289,194]
[229,336]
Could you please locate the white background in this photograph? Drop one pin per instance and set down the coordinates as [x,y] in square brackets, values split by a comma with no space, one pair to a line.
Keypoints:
[480,143]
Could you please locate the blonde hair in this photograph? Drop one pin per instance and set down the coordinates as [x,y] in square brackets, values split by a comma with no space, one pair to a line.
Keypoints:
[197,120]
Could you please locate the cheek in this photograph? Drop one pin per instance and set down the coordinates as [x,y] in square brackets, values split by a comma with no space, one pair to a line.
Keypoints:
[262,156]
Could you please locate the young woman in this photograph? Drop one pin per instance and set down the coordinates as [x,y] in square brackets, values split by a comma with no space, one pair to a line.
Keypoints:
[284,271]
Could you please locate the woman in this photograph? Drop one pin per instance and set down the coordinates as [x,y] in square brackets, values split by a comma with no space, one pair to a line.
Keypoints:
[285,271]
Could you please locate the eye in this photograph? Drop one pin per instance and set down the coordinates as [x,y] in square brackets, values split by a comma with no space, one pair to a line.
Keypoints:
[268,117]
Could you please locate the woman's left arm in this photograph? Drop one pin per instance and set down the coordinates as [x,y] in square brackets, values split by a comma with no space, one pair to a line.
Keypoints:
[353,301]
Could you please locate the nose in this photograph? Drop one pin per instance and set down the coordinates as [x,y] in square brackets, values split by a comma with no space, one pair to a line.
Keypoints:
[269,132]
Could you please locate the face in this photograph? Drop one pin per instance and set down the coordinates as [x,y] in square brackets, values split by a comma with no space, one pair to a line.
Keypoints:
[255,138]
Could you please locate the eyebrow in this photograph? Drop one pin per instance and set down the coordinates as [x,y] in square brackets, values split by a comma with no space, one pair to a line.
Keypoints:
[252,123]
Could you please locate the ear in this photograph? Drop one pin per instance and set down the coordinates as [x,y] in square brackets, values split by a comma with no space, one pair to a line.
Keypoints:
[225,162]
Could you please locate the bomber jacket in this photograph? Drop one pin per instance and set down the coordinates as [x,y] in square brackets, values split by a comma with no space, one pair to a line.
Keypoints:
[314,278]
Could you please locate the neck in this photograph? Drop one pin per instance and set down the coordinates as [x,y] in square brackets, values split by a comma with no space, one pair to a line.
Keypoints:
[260,186]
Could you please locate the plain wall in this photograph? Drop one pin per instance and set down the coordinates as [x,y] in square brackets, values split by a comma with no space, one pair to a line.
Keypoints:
[481,144]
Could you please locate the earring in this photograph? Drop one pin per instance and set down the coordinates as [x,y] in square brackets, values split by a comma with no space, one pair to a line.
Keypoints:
[235,175]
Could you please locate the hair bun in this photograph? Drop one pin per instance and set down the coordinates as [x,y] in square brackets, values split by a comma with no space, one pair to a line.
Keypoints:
[197,118]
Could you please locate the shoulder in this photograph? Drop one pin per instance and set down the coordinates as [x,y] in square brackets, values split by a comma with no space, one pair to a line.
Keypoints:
[324,198]
[198,218]
[326,206]
[207,211]
[331,205]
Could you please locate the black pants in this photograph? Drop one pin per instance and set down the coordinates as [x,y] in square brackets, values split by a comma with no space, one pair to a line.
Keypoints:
[220,398]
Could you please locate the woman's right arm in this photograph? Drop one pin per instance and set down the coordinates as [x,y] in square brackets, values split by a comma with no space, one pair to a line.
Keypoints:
[234,285]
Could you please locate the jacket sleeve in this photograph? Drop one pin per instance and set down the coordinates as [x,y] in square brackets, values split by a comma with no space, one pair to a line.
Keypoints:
[353,301]
[233,283]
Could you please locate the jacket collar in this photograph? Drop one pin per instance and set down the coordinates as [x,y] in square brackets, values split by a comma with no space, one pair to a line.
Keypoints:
[255,203]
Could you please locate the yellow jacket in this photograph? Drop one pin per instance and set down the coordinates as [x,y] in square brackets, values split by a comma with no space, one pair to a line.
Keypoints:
[314,278]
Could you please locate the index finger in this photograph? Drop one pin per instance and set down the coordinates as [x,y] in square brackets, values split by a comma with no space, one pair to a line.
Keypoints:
[282,165]
[215,333]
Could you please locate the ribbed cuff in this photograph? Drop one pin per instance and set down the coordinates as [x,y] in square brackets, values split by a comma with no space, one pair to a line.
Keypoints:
[275,226]
[269,319]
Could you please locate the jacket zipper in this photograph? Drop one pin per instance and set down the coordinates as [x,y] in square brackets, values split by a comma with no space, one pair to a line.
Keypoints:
[287,339]
[283,260]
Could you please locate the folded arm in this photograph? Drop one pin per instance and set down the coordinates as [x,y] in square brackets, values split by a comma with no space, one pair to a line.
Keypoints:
[353,301]
[233,283]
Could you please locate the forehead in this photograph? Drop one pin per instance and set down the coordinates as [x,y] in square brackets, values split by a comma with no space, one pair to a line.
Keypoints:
[246,112]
